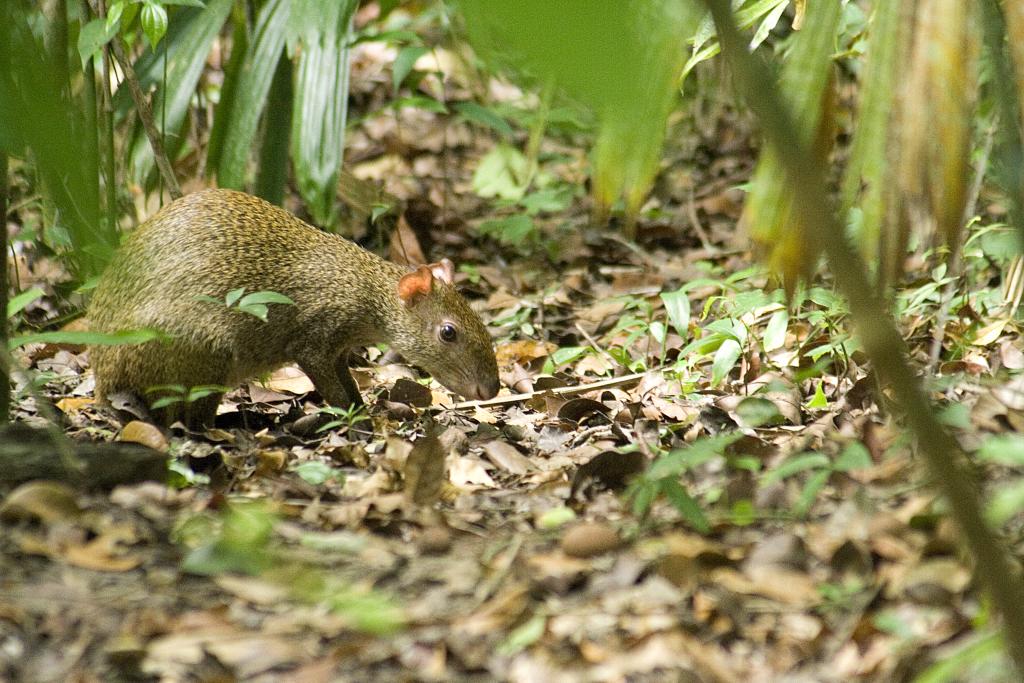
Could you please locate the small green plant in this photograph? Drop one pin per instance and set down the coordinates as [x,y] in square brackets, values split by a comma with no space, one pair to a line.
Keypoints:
[821,468]
[177,393]
[240,539]
[254,304]
[316,472]
[346,417]
[663,479]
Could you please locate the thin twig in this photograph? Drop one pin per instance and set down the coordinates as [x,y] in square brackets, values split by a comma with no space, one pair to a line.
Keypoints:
[625,380]
[878,332]
[146,115]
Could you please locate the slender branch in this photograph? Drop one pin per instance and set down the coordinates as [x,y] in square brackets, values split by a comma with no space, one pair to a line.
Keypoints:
[107,114]
[877,330]
[5,358]
[146,115]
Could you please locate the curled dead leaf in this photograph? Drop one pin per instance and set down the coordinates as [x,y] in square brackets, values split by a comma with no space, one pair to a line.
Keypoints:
[144,433]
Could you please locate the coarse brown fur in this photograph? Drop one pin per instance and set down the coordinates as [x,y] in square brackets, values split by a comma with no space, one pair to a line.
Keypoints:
[215,241]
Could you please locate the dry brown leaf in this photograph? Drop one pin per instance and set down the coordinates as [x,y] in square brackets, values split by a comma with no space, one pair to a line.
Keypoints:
[425,471]
[145,433]
[47,501]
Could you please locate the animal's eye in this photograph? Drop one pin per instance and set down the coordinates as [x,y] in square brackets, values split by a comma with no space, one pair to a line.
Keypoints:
[448,333]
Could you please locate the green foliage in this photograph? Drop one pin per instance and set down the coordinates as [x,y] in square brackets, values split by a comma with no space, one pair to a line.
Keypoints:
[346,417]
[174,394]
[630,89]
[819,468]
[18,302]
[172,72]
[981,658]
[317,473]
[239,541]
[1006,500]
[39,117]
[791,248]
[88,338]
[255,304]
[662,479]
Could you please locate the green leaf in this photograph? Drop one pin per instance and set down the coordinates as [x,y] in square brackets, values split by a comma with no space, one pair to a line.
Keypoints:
[251,93]
[320,106]
[258,310]
[523,636]
[551,200]
[810,492]
[165,401]
[676,462]
[92,38]
[514,230]
[775,331]
[568,354]
[854,457]
[658,330]
[265,297]
[685,504]
[644,493]
[677,305]
[272,168]
[404,63]
[88,338]
[725,360]
[315,472]
[755,411]
[1003,449]
[819,401]
[768,23]
[555,517]
[114,15]
[154,22]
[233,296]
[795,465]
[185,48]
[19,301]
[204,390]
[503,172]
[471,111]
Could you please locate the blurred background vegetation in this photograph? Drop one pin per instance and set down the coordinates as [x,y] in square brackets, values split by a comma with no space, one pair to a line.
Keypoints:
[910,112]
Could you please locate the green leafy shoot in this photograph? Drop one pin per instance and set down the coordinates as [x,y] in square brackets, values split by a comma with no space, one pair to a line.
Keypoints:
[18,302]
[663,479]
[89,338]
[176,393]
[346,417]
[819,468]
[255,304]
[240,543]
[317,473]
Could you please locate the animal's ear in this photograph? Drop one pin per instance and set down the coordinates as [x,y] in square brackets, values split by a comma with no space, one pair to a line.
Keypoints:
[443,270]
[414,285]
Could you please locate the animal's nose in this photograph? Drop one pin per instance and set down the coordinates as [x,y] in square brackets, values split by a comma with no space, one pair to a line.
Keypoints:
[487,389]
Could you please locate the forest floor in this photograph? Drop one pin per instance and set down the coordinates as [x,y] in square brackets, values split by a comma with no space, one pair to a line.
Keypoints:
[683,478]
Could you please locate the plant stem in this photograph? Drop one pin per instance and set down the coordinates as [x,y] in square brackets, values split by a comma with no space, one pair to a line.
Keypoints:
[146,115]
[878,332]
[5,357]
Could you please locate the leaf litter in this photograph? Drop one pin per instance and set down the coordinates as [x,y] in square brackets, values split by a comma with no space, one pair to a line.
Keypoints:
[684,479]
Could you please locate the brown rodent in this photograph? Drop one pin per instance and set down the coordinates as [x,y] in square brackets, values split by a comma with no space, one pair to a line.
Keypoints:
[214,241]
